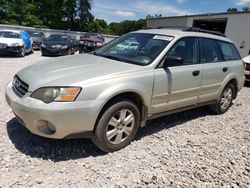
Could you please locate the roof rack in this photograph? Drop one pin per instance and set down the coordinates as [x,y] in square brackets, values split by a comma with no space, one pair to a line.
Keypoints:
[197,29]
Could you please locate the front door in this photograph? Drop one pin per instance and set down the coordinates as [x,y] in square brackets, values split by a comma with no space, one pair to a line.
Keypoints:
[177,86]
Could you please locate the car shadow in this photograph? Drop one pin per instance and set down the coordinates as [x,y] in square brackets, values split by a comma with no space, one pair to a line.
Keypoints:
[8,56]
[49,149]
[63,150]
[167,122]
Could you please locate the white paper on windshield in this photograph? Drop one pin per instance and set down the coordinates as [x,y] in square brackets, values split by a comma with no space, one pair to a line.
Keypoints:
[161,37]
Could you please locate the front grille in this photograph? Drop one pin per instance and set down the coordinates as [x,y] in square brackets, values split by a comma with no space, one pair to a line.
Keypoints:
[248,66]
[247,77]
[88,43]
[19,87]
[2,45]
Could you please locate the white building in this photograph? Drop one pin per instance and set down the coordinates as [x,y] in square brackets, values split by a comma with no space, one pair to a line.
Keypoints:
[235,26]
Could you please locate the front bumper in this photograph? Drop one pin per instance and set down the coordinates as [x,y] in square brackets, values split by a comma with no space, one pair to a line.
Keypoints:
[37,45]
[68,118]
[54,52]
[14,49]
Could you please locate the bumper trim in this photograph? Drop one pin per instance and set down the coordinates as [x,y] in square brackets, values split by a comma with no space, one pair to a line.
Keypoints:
[85,134]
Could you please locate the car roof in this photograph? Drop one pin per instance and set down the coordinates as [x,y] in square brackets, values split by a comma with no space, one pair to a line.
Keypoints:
[182,33]
[14,31]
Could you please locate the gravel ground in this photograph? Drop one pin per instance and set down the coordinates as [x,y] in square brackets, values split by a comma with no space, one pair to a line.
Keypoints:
[189,149]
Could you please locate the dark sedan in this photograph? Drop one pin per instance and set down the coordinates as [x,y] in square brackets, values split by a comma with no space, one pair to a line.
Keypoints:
[38,38]
[57,44]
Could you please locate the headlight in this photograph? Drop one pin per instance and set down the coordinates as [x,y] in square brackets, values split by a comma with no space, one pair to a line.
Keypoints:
[99,44]
[64,47]
[14,44]
[43,45]
[56,94]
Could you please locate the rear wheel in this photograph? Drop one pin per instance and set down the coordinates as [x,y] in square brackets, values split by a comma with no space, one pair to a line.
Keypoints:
[225,100]
[117,126]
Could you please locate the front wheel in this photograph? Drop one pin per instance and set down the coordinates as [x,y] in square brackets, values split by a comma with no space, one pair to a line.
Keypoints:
[225,100]
[117,126]
[21,52]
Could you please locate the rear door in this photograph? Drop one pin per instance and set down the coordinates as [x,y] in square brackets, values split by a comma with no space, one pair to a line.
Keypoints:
[178,86]
[214,69]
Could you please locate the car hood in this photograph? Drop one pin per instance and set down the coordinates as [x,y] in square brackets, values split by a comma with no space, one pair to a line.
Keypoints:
[72,70]
[247,59]
[10,40]
[56,42]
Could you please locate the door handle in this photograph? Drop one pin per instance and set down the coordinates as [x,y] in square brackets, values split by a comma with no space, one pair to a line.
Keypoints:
[225,69]
[196,73]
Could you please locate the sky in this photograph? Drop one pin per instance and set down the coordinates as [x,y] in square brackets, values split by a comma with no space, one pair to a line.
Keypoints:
[118,10]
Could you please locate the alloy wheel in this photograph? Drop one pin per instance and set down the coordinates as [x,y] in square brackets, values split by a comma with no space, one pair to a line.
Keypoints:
[120,126]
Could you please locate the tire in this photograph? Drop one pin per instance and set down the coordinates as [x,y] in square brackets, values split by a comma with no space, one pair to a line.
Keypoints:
[80,51]
[225,100]
[73,51]
[31,50]
[21,52]
[112,122]
[69,52]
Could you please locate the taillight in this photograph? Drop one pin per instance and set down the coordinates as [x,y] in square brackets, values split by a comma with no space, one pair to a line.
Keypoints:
[244,65]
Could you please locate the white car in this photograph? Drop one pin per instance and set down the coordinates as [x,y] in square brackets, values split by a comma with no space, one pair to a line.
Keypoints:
[247,67]
[128,45]
[15,42]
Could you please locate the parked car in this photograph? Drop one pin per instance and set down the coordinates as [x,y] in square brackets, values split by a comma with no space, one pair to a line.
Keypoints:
[246,60]
[75,43]
[90,42]
[57,44]
[107,97]
[38,38]
[15,42]
[128,46]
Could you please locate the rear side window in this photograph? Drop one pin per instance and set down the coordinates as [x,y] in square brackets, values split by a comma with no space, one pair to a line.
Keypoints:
[210,52]
[229,51]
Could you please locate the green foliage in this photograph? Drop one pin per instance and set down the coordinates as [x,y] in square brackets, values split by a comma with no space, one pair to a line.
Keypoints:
[246,9]
[153,16]
[231,10]
[127,26]
[62,14]
[243,9]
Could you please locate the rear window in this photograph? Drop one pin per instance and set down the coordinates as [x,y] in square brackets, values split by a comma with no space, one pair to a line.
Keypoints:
[229,51]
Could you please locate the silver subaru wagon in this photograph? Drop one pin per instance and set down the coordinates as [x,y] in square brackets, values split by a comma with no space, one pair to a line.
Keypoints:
[107,95]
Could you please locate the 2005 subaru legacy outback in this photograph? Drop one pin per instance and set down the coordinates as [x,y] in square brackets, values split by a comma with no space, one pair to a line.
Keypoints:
[108,95]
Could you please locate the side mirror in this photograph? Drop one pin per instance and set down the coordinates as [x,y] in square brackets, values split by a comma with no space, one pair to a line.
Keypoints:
[172,61]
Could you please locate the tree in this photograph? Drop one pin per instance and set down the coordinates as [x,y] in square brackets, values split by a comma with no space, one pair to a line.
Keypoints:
[232,10]
[246,9]
[153,16]
[127,26]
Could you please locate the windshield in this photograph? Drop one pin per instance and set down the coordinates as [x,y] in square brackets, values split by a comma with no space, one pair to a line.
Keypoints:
[57,38]
[137,48]
[34,34]
[9,34]
[92,36]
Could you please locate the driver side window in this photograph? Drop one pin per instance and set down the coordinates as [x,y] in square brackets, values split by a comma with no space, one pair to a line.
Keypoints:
[186,49]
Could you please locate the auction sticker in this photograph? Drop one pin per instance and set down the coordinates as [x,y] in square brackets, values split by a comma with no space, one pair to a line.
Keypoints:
[162,37]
